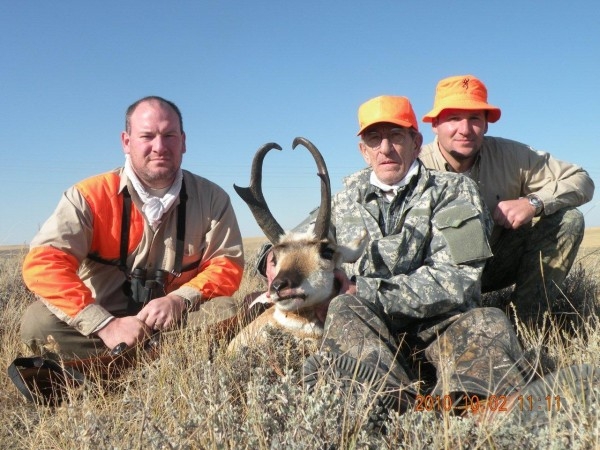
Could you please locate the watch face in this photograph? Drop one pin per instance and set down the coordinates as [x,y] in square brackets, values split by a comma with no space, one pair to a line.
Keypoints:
[536,203]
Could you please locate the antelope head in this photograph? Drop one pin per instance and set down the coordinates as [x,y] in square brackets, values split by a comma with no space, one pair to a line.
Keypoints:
[304,263]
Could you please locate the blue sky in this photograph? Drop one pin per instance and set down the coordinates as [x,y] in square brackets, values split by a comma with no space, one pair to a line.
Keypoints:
[249,72]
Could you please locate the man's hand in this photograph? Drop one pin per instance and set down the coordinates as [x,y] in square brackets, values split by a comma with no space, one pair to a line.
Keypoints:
[129,330]
[512,214]
[269,272]
[163,313]
[347,286]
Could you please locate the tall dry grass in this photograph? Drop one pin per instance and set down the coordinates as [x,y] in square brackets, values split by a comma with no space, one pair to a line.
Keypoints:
[195,396]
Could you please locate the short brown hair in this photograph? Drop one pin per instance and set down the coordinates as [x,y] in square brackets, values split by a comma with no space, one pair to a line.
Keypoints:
[149,98]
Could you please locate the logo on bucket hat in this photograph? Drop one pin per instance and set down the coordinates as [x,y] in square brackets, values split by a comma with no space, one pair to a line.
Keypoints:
[462,92]
[387,108]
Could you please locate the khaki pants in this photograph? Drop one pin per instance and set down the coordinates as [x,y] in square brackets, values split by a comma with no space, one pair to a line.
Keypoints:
[42,332]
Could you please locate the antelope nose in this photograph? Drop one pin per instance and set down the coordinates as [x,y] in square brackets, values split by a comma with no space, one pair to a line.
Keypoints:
[278,284]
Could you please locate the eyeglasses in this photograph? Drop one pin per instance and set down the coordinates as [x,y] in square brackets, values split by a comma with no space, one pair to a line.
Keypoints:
[396,136]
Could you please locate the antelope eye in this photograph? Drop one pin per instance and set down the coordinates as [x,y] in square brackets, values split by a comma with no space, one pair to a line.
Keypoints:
[327,252]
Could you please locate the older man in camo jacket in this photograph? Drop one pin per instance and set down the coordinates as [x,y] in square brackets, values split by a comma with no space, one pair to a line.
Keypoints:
[409,306]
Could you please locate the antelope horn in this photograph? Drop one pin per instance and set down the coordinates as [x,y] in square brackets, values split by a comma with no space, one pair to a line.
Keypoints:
[324,216]
[255,199]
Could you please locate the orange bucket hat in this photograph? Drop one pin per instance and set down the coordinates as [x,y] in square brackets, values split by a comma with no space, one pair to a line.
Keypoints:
[386,108]
[462,92]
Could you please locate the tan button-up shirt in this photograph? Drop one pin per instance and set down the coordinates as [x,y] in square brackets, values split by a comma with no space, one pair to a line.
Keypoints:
[507,170]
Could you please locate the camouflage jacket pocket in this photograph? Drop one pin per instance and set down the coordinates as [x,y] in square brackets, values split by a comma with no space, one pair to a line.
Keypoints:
[463,231]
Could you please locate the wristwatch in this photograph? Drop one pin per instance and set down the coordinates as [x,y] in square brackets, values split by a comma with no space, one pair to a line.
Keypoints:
[535,201]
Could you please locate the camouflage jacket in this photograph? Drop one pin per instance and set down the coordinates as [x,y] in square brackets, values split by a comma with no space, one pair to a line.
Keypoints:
[430,264]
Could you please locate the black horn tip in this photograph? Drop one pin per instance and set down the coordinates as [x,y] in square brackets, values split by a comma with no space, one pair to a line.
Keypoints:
[271,145]
[301,141]
[263,150]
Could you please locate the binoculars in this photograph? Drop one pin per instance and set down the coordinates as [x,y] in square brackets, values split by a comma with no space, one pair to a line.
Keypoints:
[141,289]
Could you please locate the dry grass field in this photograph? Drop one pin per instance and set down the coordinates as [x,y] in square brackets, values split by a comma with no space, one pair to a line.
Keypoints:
[591,239]
[589,252]
[252,244]
[196,396]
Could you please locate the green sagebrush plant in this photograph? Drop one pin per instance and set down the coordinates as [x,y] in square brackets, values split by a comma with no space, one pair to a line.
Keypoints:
[196,396]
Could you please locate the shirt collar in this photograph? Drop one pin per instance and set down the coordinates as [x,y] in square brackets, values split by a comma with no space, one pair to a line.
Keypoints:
[390,191]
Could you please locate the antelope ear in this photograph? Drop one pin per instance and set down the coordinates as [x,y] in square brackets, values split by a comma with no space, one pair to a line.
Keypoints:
[351,252]
[262,298]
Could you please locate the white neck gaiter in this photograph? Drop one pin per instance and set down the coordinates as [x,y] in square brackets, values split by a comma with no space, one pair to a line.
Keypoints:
[390,191]
[154,207]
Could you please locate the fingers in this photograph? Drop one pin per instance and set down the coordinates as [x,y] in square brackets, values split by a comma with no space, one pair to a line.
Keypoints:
[156,318]
[502,217]
[162,313]
[152,316]
[512,214]
[129,330]
[157,323]
[143,331]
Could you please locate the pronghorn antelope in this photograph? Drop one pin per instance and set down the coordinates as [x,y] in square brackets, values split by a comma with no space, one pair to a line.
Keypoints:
[304,280]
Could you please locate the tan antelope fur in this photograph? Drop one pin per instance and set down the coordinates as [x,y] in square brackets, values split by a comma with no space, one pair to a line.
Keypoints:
[302,287]
[303,281]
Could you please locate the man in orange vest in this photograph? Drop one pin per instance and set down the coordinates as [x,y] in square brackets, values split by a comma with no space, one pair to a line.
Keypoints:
[132,251]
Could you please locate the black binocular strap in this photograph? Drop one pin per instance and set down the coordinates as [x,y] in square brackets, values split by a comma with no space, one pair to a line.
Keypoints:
[177,269]
[126,221]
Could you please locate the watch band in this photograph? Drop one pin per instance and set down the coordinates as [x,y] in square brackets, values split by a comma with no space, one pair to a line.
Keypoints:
[537,203]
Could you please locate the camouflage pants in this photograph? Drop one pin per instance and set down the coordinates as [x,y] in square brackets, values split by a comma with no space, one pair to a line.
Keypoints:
[536,258]
[476,352]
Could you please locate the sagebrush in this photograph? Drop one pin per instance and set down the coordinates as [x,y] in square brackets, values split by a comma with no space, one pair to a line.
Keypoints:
[197,396]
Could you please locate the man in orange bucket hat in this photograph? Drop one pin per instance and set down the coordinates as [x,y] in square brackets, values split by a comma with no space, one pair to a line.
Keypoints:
[531,195]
